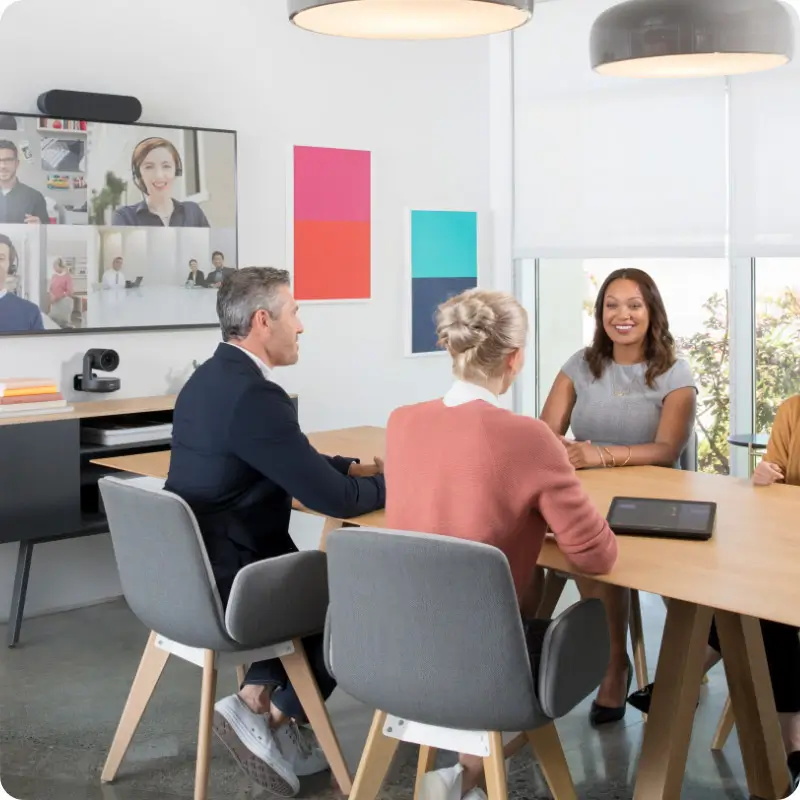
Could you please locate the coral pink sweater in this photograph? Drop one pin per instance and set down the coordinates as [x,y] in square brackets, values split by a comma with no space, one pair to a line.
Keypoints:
[482,473]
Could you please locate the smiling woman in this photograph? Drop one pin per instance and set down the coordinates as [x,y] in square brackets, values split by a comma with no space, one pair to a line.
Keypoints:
[630,402]
[155,164]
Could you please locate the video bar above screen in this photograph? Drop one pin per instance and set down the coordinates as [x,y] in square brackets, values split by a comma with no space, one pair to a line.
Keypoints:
[107,226]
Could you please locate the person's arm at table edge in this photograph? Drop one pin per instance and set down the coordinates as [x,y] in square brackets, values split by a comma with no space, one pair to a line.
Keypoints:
[781,434]
[273,444]
[581,532]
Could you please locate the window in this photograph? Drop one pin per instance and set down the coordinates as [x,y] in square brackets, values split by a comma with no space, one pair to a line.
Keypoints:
[777,336]
[695,293]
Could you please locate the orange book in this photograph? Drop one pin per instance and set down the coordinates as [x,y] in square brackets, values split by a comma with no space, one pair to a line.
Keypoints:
[31,390]
[31,398]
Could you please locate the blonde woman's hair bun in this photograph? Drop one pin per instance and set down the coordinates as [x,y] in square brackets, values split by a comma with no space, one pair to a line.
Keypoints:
[479,328]
[465,322]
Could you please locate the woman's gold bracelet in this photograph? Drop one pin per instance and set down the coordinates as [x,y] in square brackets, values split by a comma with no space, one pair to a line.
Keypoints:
[602,457]
[625,463]
[611,456]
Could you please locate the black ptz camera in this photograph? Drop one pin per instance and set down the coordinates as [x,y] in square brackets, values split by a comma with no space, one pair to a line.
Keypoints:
[97,358]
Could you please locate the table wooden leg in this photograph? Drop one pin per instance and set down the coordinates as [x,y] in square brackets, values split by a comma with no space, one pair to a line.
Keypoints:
[753,704]
[677,687]
[331,524]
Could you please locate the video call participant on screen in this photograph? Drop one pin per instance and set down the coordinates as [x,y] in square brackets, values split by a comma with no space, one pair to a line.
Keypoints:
[16,313]
[61,294]
[217,275]
[195,277]
[238,458]
[19,203]
[114,278]
[155,164]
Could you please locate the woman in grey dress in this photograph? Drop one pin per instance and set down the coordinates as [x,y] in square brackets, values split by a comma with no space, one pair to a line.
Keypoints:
[629,402]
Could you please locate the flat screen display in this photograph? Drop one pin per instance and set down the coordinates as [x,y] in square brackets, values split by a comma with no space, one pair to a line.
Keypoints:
[656,517]
[106,226]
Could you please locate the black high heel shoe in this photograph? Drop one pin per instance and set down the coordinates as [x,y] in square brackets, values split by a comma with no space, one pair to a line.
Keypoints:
[602,715]
[793,762]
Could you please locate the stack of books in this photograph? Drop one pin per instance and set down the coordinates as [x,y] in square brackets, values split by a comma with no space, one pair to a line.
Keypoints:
[23,396]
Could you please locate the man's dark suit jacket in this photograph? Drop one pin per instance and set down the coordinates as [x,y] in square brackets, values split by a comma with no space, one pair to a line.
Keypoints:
[238,459]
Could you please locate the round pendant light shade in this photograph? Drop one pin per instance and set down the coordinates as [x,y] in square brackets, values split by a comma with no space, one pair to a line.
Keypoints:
[409,19]
[691,38]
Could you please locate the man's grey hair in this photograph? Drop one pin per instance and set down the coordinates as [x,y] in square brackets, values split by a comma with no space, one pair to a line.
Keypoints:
[246,291]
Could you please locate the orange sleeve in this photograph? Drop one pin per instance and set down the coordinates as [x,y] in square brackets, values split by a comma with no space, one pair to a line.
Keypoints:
[581,532]
[781,434]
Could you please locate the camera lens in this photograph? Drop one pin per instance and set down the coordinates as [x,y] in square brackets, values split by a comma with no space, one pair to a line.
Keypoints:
[109,360]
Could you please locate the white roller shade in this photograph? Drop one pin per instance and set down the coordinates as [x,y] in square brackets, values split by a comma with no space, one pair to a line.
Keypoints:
[610,167]
[765,161]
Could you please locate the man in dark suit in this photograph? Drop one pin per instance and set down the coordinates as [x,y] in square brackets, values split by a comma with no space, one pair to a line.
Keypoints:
[220,271]
[238,459]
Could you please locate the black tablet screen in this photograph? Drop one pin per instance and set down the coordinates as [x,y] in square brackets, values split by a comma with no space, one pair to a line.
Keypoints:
[668,515]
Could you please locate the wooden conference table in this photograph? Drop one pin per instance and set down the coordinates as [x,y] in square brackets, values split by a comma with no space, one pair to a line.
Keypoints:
[748,570]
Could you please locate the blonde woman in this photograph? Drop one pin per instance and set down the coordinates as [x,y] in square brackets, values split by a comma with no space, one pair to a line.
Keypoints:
[463,466]
[61,294]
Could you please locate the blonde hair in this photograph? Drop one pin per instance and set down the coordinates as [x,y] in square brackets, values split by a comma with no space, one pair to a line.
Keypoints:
[480,329]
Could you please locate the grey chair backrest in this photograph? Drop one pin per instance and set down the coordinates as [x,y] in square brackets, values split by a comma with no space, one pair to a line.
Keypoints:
[163,565]
[429,628]
[688,459]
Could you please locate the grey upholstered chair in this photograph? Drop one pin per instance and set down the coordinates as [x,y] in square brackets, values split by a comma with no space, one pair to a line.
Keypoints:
[427,630]
[168,583]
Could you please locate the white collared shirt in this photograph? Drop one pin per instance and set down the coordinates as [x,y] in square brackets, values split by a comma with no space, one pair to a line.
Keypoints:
[463,392]
[265,370]
[113,279]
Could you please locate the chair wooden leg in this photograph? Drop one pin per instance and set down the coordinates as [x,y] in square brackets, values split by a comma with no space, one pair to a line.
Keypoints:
[637,640]
[305,685]
[375,760]
[724,727]
[494,767]
[549,753]
[425,763]
[241,671]
[147,676]
[207,695]
[554,584]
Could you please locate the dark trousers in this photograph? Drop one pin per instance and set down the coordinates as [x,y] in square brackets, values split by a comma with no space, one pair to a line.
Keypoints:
[783,658]
[272,673]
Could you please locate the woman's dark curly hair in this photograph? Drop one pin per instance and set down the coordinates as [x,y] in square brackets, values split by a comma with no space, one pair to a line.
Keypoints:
[659,345]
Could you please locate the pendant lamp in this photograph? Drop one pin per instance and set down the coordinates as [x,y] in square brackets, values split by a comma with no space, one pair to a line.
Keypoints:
[691,38]
[409,19]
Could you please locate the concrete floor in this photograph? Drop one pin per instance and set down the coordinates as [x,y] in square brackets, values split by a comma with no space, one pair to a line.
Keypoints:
[62,691]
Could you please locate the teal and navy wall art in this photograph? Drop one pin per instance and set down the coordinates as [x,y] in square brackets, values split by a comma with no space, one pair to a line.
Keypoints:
[443,261]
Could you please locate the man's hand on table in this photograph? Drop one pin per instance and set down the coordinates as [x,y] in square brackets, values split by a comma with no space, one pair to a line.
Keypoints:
[366,470]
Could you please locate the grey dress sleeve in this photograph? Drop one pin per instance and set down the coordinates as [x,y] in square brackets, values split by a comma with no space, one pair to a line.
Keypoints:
[573,366]
[679,377]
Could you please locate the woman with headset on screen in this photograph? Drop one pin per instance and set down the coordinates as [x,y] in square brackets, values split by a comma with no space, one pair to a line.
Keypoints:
[155,163]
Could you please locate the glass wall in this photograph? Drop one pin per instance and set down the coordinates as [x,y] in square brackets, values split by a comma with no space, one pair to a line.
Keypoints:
[695,292]
[777,336]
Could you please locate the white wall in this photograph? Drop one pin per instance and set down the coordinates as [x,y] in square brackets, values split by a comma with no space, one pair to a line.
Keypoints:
[421,108]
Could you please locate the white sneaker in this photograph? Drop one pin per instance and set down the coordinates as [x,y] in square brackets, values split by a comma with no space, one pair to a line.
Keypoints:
[301,749]
[443,784]
[252,743]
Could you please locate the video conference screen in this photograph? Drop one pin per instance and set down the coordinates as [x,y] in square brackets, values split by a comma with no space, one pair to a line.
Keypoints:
[113,226]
